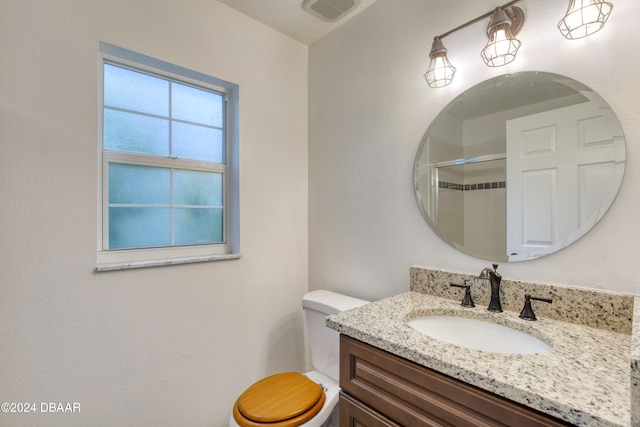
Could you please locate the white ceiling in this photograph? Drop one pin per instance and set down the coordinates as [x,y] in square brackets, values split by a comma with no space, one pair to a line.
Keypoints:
[288,17]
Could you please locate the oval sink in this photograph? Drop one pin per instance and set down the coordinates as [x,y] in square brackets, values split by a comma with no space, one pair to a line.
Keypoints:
[478,335]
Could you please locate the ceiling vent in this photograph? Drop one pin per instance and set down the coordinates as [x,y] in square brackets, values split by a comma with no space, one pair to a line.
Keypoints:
[329,10]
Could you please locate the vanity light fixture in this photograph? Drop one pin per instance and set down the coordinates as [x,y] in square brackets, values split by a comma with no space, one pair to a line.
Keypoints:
[502,45]
[584,17]
[440,72]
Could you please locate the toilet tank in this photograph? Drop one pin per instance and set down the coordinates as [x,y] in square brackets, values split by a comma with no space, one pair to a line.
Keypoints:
[325,342]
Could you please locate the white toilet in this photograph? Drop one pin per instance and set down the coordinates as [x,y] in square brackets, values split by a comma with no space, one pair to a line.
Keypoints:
[291,399]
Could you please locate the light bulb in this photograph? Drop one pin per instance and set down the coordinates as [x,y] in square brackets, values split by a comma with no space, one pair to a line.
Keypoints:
[584,17]
[440,72]
[501,48]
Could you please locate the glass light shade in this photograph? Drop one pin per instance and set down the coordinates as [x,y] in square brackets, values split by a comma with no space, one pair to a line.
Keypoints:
[584,17]
[501,48]
[440,72]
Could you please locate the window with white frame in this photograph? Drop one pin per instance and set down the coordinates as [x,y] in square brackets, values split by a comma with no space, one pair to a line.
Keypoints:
[169,163]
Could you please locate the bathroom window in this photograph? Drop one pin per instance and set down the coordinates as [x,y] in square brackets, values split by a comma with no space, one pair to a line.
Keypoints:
[168,154]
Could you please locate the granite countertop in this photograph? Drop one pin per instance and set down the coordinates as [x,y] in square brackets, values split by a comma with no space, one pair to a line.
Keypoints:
[584,379]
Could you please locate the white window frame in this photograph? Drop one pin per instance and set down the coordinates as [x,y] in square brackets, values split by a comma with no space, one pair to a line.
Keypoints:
[120,259]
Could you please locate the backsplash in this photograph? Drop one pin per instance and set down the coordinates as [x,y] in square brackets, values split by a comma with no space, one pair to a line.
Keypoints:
[599,309]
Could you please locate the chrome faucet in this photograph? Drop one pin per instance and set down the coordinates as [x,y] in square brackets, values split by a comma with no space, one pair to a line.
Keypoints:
[494,279]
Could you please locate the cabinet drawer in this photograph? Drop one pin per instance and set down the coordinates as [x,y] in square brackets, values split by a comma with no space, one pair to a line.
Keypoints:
[413,395]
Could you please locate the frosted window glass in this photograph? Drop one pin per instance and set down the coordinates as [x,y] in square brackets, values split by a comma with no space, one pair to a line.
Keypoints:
[196,105]
[197,143]
[197,188]
[131,184]
[135,133]
[135,91]
[164,151]
[198,226]
[139,227]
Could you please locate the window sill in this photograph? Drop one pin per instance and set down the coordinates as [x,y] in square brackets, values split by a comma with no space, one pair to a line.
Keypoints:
[128,265]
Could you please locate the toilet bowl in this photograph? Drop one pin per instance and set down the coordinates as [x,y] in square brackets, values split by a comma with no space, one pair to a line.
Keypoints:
[291,399]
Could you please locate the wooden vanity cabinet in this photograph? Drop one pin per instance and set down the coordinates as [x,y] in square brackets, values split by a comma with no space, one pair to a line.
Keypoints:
[380,389]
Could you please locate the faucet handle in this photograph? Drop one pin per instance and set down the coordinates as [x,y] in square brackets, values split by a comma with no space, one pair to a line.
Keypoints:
[467,301]
[527,312]
[495,270]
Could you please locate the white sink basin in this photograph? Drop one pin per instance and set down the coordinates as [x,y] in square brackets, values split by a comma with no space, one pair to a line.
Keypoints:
[478,335]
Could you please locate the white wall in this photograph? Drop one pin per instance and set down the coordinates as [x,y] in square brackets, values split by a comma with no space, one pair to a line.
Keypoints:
[169,346]
[369,108]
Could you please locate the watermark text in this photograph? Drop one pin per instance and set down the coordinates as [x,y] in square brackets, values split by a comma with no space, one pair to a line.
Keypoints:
[40,407]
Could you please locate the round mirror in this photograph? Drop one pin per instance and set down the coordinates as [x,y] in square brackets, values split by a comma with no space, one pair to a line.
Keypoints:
[519,166]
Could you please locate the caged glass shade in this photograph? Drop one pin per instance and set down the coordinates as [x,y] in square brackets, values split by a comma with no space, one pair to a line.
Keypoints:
[584,17]
[440,72]
[502,46]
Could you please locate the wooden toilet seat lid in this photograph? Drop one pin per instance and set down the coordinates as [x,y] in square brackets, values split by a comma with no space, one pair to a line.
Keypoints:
[286,399]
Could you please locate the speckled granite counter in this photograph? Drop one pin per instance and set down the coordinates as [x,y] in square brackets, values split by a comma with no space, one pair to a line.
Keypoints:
[635,366]
[584,379]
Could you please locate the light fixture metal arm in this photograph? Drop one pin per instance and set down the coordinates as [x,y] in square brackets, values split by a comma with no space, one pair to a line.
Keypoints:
[478,19]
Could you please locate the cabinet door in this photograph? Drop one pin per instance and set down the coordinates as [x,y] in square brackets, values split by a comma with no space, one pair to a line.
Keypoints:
[355,414]
[414,396]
